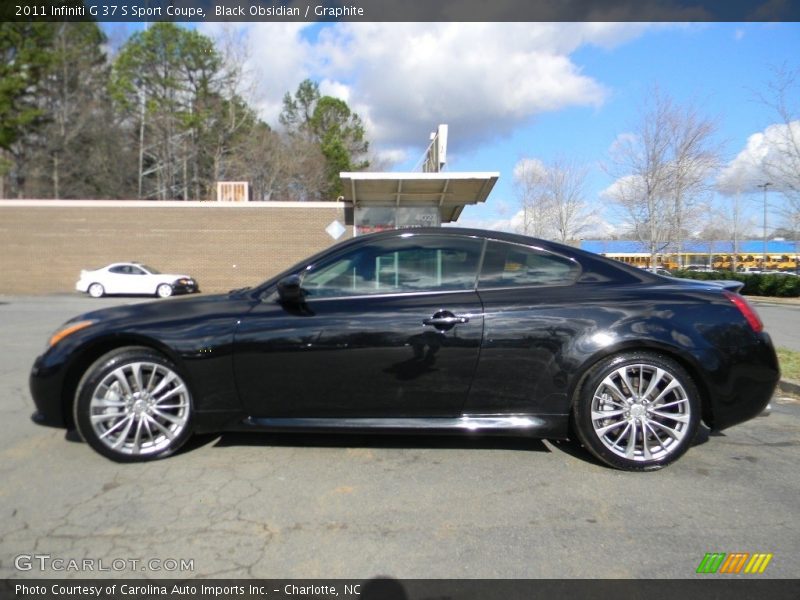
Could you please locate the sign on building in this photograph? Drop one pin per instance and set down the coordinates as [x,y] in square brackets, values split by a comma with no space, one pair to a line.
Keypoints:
[233,191]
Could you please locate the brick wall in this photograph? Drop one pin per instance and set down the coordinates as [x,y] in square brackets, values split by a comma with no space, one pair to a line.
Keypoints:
[45,244]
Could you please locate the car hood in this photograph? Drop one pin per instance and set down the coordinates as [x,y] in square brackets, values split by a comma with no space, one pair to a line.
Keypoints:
[167,310]
[171,276]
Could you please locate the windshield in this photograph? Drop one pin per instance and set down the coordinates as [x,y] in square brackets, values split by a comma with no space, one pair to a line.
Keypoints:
[150,270]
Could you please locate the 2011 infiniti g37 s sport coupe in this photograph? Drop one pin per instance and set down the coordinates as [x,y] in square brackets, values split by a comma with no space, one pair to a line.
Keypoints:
[435,330]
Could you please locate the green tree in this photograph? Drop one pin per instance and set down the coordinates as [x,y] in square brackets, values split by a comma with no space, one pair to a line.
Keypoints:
[168,80]
[328,122]
[25,59]
[78,118]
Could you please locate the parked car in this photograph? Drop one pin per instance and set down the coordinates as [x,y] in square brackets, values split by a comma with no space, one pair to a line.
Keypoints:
[134,278]
[424,330]
[658,271]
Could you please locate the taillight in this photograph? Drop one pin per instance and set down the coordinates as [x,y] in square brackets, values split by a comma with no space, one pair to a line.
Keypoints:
[748,312]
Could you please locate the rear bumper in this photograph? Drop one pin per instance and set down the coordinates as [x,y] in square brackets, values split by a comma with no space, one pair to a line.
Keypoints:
[752,375]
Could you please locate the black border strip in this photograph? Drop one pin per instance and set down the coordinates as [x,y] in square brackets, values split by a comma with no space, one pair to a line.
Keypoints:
[401,10]
[386,588]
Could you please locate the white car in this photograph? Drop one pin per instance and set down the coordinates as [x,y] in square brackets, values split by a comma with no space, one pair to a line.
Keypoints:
[133,278]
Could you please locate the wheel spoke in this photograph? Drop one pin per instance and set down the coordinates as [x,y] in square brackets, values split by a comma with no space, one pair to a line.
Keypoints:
[670,386]
[176,390]
[608,382]
[624,432]
[605,429]
[668,405]
[116,426]
[106,417]
[149,431]
[161,428]
[654,432]
[122,380]
[598,415]
[671,416]
[623,373]
[137,437]
[104,402]
[136,371]
[165,381]
[167,417]
[124,435]
[630,450]
[673,433]
[657,378]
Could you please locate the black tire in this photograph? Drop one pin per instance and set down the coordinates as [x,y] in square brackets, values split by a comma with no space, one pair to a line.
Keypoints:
[133,405]
[653,411]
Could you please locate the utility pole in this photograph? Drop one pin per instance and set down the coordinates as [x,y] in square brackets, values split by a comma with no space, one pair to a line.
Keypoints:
[764,186]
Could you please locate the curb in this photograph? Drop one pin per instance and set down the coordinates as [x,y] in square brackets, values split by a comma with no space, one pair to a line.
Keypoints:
[793,301]
[787,386]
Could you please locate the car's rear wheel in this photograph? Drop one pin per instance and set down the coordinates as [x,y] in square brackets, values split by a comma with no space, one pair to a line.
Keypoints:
[637,411]
[164,290]
[96,290]
[132,404]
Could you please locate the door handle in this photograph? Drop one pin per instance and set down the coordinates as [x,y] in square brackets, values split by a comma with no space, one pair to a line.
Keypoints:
[445,320]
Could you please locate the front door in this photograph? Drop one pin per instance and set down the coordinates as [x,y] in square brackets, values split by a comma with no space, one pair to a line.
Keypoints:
[390,328]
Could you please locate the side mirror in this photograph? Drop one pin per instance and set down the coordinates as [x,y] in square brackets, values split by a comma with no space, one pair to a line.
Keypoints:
[290,291]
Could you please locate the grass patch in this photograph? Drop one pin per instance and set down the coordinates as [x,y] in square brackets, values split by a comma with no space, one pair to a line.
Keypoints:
[790,363]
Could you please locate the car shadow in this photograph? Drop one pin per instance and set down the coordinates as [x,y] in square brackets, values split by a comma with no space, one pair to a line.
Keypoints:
[366,440]
[575,449]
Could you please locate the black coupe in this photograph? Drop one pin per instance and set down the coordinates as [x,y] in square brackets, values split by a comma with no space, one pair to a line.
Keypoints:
[429,330]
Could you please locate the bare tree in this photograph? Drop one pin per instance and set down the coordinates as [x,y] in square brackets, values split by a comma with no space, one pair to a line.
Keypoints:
[662,169]
[694,156]
[640,164]
[529,177]
[781,164]
[565,185]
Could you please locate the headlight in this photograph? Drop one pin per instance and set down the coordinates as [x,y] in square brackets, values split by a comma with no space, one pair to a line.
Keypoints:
[67,329]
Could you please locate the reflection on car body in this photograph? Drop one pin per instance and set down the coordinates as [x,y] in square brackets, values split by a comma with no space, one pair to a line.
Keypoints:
[440,330]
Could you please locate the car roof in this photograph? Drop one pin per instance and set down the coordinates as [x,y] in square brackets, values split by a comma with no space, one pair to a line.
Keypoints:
[594,261]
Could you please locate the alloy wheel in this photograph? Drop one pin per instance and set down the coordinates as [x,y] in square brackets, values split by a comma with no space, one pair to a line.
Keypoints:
[641,412]
[139,408]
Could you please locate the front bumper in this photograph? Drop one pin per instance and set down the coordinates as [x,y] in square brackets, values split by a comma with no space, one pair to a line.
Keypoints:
[45,386]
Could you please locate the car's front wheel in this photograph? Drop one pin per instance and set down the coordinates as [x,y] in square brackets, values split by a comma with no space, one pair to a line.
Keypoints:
[637,411]
[164,290]
[96,290]
[132,404]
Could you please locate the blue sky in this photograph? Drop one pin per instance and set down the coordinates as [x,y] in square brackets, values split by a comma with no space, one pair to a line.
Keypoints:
[511,91]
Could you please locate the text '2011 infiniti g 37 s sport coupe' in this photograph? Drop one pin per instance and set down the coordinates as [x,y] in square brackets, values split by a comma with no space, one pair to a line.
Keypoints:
[422,330]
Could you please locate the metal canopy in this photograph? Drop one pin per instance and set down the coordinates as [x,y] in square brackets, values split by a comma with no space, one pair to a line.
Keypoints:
[449,191]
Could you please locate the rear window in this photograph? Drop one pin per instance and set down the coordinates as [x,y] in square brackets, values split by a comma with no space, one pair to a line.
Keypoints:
[512,265]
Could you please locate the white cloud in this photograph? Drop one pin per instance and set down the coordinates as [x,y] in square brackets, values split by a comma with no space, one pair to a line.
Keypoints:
[278,58]
[596,228]
[529,169]
[767,156]
[483,79]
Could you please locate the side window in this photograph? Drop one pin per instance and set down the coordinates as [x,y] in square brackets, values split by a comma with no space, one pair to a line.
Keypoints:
[409,264]
[136,271]
[120,270]
[508,265]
